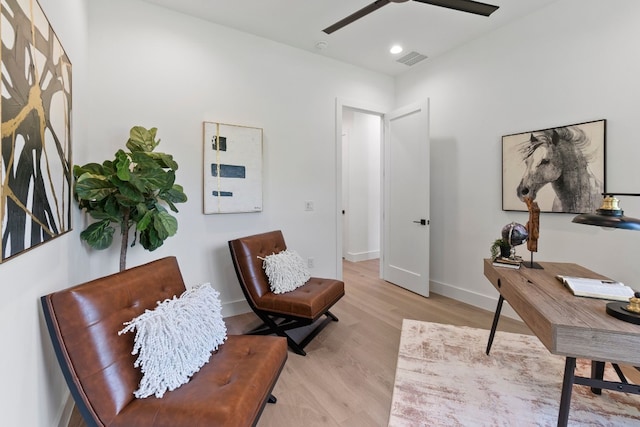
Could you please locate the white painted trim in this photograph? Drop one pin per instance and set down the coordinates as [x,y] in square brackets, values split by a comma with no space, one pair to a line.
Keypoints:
[67,410]
[234,308]
[477,300]
[361,256]
[367,108]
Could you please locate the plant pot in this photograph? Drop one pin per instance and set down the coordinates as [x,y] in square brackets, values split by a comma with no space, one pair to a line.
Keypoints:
[505,251]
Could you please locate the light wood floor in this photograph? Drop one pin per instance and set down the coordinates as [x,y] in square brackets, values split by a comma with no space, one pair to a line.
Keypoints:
[347,377]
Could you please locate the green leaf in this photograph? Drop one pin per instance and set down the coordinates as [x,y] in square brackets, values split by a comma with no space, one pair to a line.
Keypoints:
[93,187]
[165,224]
[173,195]
[149,239]
[176,194]
[93,168]
[128,195]
[141,139]
[122,165]
[112,208]
[137,183]
[145,221]
[165,160]
[144,160]
[157,179]
[98,235]
[108,167]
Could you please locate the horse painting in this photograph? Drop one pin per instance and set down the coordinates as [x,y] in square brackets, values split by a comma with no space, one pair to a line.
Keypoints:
[560,157]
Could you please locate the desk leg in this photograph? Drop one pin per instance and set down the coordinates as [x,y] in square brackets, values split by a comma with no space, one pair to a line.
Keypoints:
[567,387]
[496,317]
[597,372]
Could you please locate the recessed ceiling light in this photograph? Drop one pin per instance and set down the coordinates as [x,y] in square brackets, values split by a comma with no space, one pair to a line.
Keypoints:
[395,49]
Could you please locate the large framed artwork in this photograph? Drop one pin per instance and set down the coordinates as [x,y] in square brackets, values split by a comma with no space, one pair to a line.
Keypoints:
[561,168]
[232,168]
[35,174]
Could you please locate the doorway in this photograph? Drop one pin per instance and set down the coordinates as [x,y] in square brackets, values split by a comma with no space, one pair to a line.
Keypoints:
[361,184]
[403,242]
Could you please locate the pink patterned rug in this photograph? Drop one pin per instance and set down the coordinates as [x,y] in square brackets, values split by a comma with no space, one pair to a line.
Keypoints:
[444,378]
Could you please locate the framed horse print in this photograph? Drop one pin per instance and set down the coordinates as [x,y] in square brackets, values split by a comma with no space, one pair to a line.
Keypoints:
[561,168]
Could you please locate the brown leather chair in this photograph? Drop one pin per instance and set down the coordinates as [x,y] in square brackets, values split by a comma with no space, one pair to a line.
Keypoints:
[83,322]
[280,313]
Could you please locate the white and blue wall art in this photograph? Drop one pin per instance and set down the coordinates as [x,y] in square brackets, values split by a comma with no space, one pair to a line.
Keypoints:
[232,168]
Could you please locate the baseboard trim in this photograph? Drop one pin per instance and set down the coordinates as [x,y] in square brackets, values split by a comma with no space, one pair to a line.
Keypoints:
[67,410]
[361,256]
[233,308]
[473,298]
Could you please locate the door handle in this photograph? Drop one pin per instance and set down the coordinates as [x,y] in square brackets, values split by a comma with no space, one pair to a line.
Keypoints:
[422,222]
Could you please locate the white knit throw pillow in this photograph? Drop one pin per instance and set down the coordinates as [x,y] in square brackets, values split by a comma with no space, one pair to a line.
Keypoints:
[174,340]
[286,271]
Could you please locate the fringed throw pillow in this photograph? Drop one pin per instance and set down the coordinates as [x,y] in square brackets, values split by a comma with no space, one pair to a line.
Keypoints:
[286,271]
[174,340]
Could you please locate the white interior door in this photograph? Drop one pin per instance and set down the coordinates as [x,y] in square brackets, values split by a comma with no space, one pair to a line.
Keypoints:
[405,258]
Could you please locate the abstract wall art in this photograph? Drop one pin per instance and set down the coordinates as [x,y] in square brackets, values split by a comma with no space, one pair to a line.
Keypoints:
[232,168]
[562,168]
[35,173]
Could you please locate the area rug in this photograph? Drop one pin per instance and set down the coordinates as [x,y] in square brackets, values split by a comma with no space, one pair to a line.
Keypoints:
[444,378]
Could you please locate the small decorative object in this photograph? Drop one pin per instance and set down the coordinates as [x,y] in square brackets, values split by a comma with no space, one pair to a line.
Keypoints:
[609,214]
[626,311]
[533,227]
[560,168]
[175,339]
[232,168]
[514,234]
[634,303]
[285,270]
[130,191]
[500,248]
[35,175]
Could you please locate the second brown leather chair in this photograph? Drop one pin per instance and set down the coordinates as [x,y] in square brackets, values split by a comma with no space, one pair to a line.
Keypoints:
[282,312]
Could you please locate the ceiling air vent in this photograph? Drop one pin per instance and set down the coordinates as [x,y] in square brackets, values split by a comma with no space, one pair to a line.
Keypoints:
[411,58]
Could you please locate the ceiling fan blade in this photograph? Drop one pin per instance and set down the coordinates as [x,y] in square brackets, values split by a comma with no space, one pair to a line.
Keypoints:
[464,6]
[355,16]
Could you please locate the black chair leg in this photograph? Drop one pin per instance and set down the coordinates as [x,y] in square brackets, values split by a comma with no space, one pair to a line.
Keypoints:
[271,326]
[332,316]
[272,399]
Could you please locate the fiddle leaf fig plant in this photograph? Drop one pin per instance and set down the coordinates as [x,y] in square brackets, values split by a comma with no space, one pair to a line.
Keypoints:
[131,190]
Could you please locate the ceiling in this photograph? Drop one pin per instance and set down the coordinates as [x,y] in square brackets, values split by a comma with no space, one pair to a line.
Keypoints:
[423,28]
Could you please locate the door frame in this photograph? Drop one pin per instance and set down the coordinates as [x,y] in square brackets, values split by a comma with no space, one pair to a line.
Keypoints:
[369,109]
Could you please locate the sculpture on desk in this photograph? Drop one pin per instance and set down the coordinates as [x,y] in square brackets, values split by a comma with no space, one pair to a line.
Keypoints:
[533,228]
[515,234]
[533,225]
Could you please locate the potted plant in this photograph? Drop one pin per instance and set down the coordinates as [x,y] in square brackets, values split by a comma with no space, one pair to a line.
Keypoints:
[130,191]
[500,247]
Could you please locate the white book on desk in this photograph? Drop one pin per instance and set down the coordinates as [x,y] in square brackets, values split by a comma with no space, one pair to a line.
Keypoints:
[596,288]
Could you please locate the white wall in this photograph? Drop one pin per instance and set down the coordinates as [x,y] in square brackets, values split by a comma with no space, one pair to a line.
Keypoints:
[33,391]
[134,63]
[362,184]
[571,62]
[153,67]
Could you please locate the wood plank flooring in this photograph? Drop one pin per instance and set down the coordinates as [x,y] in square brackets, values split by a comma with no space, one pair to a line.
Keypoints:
[347,377]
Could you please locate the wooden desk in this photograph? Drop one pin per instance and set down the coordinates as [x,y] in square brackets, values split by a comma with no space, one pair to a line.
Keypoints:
[570,326]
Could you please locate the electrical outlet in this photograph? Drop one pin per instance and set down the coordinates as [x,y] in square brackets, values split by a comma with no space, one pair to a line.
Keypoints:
[310,262]
[308,205]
